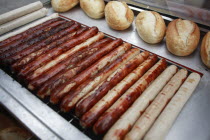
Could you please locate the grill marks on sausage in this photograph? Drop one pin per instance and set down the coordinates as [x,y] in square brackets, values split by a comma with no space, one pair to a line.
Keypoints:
[63,89]
[90,117]
[72,28]
[5,51]
[51,54]
[63,56]
[70,61]
[125,101]
[157,106]
[25,45]
[65,75]
[88,101]
[71,99]
[23,36]
[138,107]
[35,55]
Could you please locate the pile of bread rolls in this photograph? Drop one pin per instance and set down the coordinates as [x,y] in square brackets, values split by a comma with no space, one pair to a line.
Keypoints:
[182,36]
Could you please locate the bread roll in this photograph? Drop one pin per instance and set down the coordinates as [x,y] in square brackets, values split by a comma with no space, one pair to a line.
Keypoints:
[150,26]
[118,15]
[205,50]
[63,5]
[182,37]
[93,8]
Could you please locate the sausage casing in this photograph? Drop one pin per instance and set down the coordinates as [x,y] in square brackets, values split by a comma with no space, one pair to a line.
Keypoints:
[62,90]
[127,120]
[62,77]
[164,122]
[90,117]
[70,100]
[125,101]
[145,121]
[91,98]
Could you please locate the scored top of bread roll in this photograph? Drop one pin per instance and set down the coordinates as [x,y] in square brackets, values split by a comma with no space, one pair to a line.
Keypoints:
[150,26]
[118,15]
[182,37]
[63,5]
[93,8]
[205,50]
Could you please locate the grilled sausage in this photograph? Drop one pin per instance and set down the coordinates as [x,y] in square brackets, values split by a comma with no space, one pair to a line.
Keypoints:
[63,56]
[35,34]
[35,40]
[43,43]
[63,89]
[17,34]
[127,120]
[69,73]
[70,62]
[71,99]
[41,60]
[91,98]
[164,122]
[125,101]
[90,117]
[27,32]
[143,124]
[29,58]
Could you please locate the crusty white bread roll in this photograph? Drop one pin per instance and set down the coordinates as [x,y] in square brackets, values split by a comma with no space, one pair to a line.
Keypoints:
[93,8]
[22,20]
[118,15]
[63,5]
[182,37]
[150,26]
[11,15]
[205,50]
[26,27]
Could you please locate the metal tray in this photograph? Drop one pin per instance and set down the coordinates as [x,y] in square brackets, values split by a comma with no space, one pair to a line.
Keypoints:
[48,123]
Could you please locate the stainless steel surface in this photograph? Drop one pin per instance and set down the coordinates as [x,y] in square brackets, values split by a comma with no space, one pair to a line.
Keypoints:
[193,123]
[24,115]
[38,117]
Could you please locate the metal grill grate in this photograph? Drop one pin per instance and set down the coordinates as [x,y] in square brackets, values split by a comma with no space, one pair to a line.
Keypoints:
[70,117]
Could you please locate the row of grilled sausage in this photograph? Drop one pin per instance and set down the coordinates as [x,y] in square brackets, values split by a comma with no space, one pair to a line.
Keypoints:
[112,86]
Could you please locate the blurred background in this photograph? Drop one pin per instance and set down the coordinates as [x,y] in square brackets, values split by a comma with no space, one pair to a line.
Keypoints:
[11,129]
